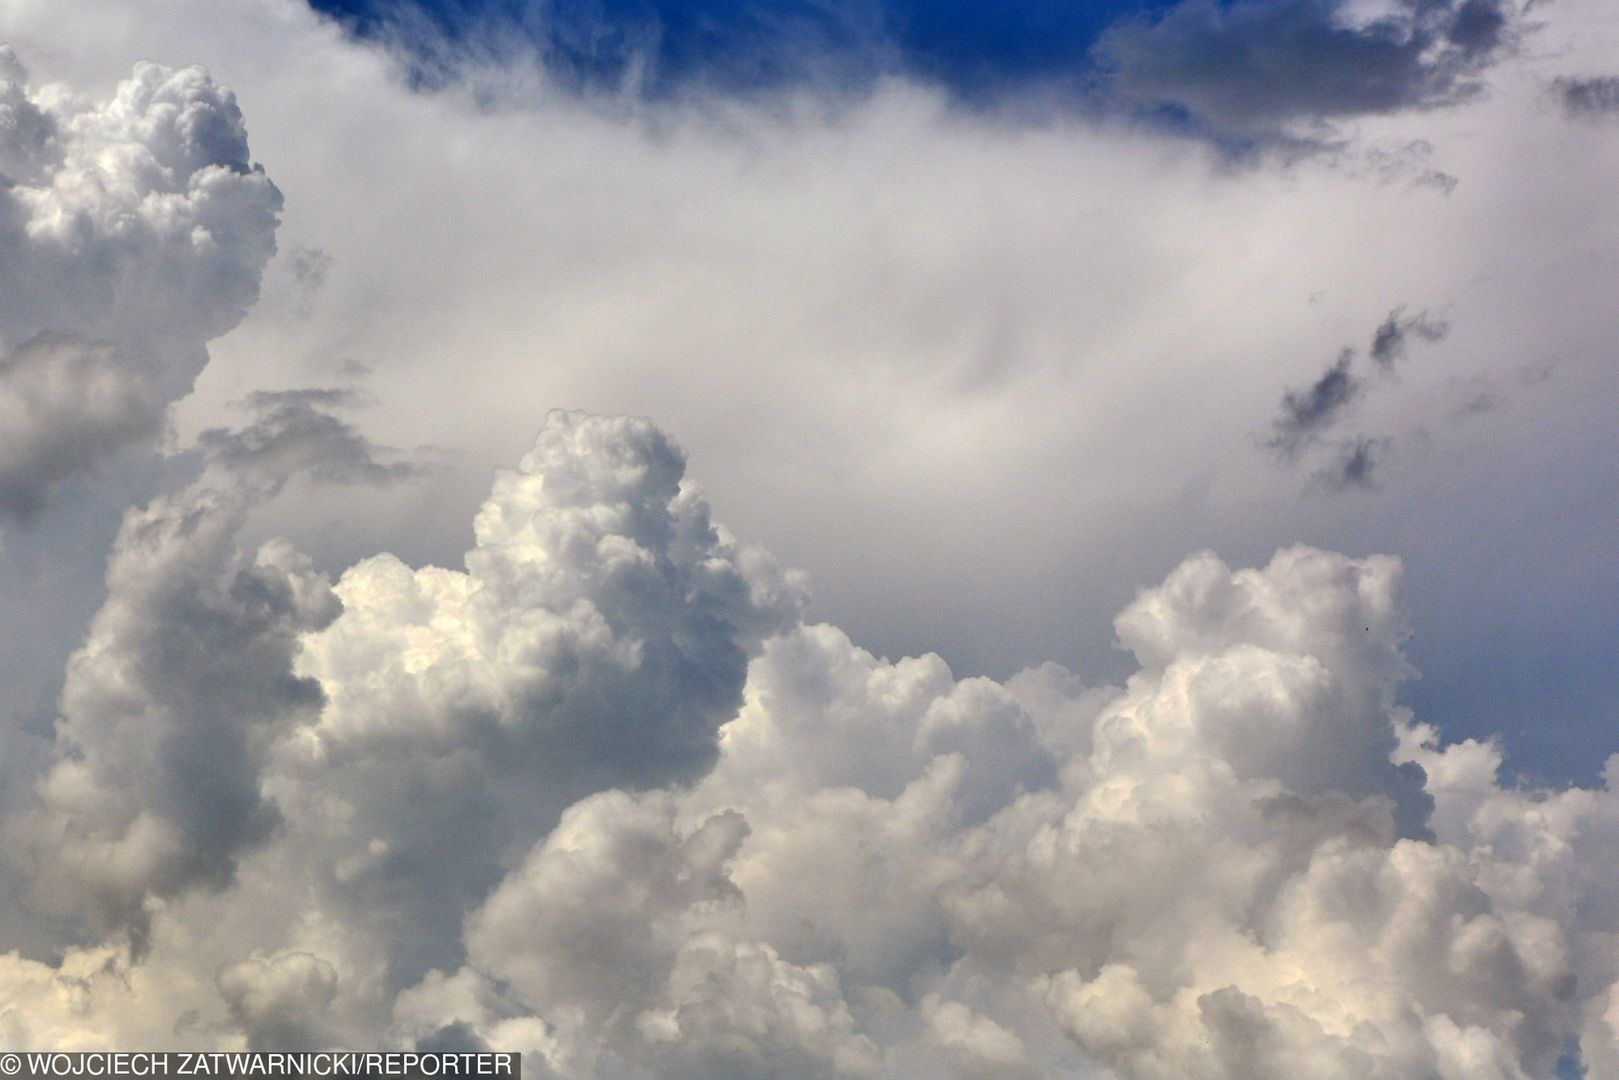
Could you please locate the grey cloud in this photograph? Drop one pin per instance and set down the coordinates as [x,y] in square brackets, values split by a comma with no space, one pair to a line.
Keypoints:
[1353,465]
[1474,397]
[1307,413]
[65,407]
[27,134]
[280,1001]
[294,434]
[132,231]
[171,706]
[1390,341]
[598,638]
[308,267]
[1253,67]
[169,709]
[1591,98]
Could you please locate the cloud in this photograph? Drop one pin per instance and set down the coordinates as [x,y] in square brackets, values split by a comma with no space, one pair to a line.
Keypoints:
[1306,413]
[293,434]
[849,266]
[1588,98]
[64,408]
[171,704]
[1389,341]
[1218,887]
[598,638]
[132,231]
[1354,464]
[309,268]
[542,805]
[168,710]
[603,792]
[1255,67]
[280,1000]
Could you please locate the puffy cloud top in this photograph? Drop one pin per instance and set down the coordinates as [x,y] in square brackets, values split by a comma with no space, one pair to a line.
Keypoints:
[132,231]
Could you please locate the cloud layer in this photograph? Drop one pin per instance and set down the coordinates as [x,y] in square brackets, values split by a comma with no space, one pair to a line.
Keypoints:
[550,804]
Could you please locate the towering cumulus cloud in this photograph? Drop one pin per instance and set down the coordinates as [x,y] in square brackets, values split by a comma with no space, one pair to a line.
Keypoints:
[132,231]
[548,803]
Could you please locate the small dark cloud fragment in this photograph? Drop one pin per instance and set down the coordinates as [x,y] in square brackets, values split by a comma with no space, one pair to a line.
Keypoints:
[1307,413]
[1474,397]
[1536,373]
[294,434]
[1439,180]
[308,267]
[1477,27]
[1594,98]
[1353,467]
[1390,340]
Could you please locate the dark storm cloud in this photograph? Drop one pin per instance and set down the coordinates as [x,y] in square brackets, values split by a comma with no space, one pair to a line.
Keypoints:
[1306,413]
[1391,338]
[1251,67]
[1589,99]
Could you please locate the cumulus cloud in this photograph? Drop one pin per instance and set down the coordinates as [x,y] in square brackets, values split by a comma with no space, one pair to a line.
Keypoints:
[1252,68]
[132,231]
[604,795]
[550,804]
[169,707]
[1234,876]
[185,680]
[598,638]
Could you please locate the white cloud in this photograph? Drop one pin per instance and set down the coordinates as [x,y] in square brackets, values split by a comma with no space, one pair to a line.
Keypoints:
[135,230]
[1010,370]
[1218,868]
[604,795]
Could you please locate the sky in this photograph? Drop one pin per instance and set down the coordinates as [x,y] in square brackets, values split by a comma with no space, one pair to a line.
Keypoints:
[799,539]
